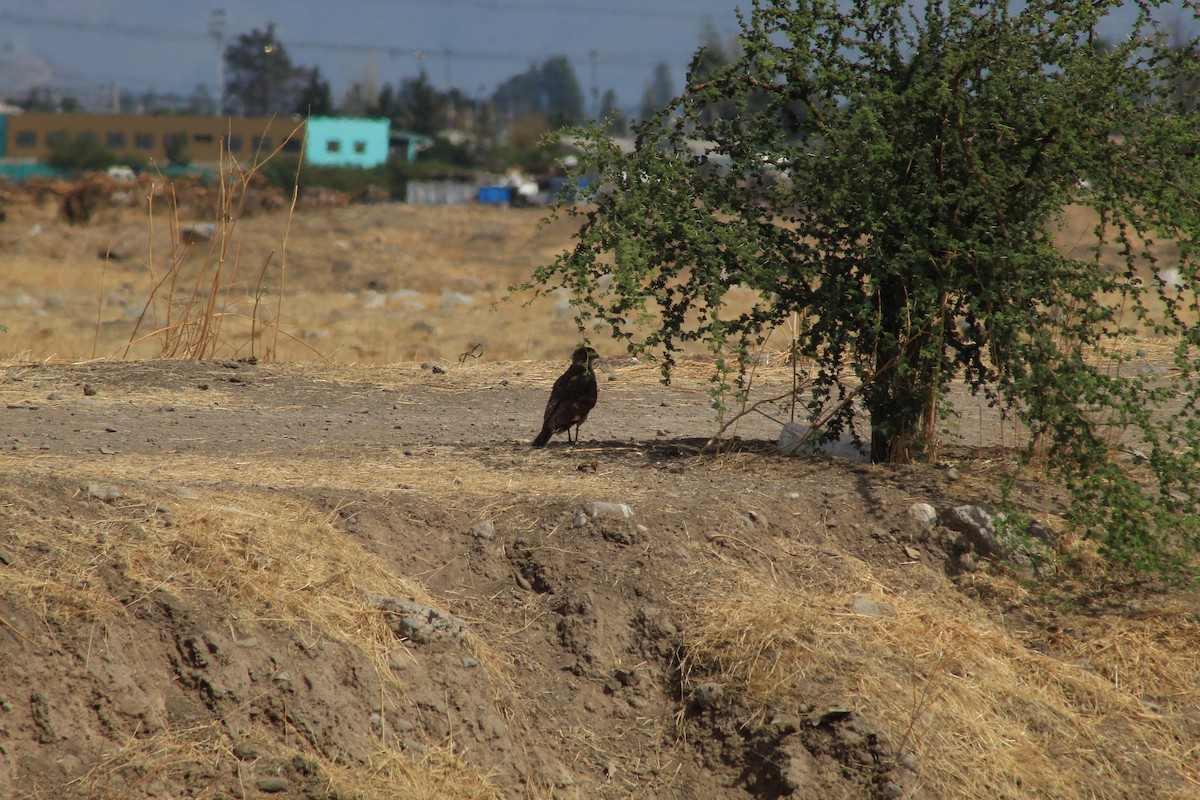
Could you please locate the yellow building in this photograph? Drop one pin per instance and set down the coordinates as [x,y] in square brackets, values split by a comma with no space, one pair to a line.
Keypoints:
[26,137]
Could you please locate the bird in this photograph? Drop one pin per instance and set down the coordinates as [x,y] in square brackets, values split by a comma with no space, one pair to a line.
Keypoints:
[571,398]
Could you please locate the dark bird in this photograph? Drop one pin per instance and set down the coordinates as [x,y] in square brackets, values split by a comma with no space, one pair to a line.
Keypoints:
[573,396]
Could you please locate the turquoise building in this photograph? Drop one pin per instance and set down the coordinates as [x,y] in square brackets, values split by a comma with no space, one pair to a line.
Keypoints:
[346,142]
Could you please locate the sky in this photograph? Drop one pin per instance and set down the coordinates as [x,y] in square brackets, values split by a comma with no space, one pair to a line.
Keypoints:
[474,45]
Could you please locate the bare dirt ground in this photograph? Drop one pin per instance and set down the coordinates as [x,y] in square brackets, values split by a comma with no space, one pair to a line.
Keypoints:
[311,579]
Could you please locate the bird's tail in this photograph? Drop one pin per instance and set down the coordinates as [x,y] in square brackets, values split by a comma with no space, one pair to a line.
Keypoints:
[544,436]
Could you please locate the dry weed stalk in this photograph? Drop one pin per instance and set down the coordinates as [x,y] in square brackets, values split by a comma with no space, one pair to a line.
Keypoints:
[189,312]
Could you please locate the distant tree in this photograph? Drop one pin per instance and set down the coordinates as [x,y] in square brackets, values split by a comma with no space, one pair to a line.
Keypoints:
[611,116]
[386,104]
[659,91]
[563,95]
[550,89]
[315,99]
[713,56]
[42,99]
[200,102]
[1182,41]
[261,76]
[358,101]
[79,154]
[175,147]
[421,107]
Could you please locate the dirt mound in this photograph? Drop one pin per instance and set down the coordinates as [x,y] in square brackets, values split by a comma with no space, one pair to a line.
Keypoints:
[229,580]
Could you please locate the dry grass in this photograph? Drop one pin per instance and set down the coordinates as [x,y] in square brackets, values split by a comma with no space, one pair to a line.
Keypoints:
[171,756]
[274,562]
[986,715]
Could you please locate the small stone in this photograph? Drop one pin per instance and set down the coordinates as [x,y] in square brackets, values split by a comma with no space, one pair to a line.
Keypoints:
[483,529]
[54,396]
[470,661]
[923,515]
[245,751]
[621,510]
[183,491]
[707,695]
[912,552]
[272,784]
[524,583]
[865,606]
[249,641]
[952,474]
[106,492]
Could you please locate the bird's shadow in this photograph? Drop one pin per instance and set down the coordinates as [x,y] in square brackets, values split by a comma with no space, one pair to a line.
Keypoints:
[667,449]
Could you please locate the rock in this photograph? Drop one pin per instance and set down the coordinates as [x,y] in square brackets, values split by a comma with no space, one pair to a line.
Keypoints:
[977,527]
[799,772]
[866,607]
[106,492]
[417,623]
[457,299]
[483,529]
[469,661]
[245,751]
[619,510]
[795,439]
[923,516]
[272,784]
[707,695]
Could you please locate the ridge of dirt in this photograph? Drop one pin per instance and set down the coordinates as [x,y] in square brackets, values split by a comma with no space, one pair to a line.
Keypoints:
[221,579]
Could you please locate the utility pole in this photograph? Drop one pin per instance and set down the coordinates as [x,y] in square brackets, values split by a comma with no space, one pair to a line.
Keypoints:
[595,88]
[216,29]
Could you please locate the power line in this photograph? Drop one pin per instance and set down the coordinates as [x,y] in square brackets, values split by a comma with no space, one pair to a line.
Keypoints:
[393,51]
[559,8]
[99,27]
